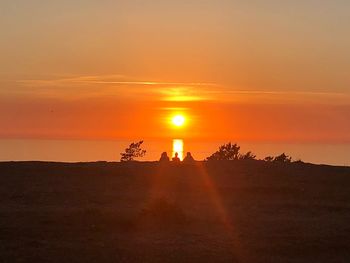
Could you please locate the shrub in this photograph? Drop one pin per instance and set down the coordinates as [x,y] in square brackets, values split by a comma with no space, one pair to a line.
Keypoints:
[283,158]
[268,159]
[247,156]
[227,151]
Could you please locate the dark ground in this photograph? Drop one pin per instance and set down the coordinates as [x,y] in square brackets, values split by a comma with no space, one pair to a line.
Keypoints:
[148,212]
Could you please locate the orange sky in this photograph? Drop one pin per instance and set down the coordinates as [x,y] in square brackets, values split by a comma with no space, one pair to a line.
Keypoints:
[292,117]
[239,70]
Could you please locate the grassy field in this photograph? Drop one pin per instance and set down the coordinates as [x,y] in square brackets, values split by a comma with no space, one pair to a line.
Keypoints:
[149,212]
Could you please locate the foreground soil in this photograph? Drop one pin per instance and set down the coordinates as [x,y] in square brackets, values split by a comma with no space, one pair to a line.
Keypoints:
[151,212]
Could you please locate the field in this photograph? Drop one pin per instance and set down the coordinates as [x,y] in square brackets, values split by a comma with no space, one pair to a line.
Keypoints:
[149,212]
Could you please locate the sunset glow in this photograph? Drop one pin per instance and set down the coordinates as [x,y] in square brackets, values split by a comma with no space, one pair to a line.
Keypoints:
[227,70]
[178,147]
[178,120]
[178,130]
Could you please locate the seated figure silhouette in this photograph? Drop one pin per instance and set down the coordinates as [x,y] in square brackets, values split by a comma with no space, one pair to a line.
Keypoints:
[188,158]
[164,157]
[176,158]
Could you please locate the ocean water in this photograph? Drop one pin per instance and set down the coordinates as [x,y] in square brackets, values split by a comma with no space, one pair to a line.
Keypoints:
[102,150]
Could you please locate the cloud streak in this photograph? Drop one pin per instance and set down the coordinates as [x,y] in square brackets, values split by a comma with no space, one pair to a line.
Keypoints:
[108,80]
[113,85]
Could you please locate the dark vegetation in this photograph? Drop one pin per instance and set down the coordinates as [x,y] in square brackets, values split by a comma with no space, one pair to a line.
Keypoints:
[133,151]
[215,211]
[226,152]
[229,152]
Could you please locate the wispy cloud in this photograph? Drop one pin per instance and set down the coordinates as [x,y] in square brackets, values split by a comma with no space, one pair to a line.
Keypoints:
[121,85]
[108,80]
[124,86]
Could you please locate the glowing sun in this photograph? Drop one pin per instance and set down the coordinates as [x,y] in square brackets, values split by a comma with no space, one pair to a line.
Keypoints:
[178,120]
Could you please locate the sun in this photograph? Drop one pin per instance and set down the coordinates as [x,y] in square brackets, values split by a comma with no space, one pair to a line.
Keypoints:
[178,120]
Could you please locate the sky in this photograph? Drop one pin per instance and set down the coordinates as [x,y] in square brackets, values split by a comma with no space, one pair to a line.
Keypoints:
[274,71]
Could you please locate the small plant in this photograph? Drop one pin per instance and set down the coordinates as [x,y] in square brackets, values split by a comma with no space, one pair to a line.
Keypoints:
[133,151]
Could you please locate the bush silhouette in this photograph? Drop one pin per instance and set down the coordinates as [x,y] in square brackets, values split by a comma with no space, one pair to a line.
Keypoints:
[227,151]
[248,156]
[268,159]
[133,151]
[283,158]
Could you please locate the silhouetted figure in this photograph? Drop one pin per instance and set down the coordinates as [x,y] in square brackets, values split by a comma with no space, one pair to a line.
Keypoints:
[188,158]
[164,157]
[176,159]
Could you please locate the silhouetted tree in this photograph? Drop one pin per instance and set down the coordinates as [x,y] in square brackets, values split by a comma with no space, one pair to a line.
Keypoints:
[227,151]
[133,151]
[283,158]
[247,156]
